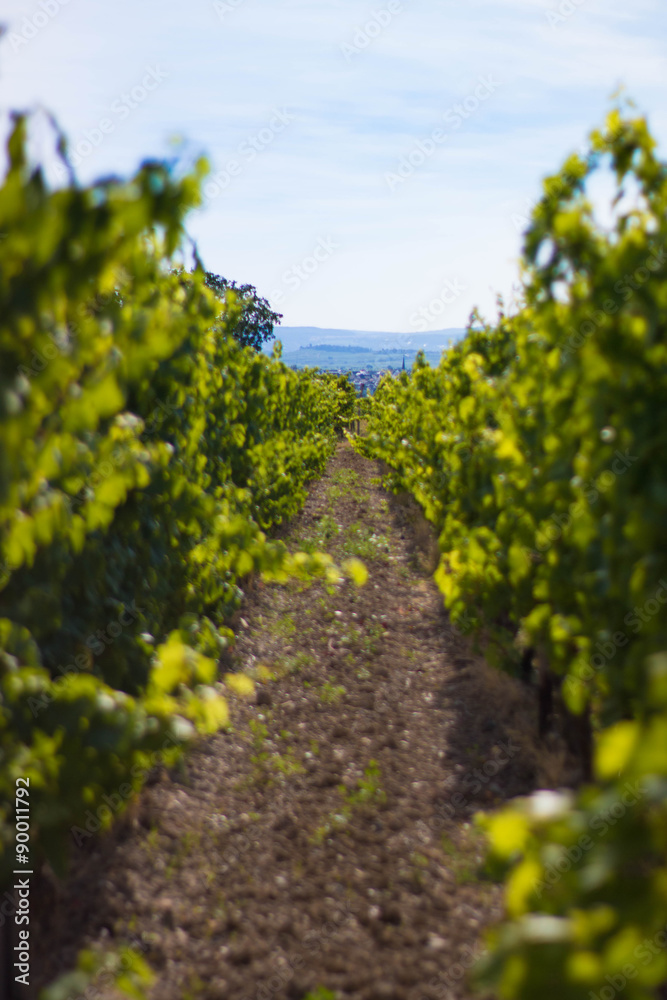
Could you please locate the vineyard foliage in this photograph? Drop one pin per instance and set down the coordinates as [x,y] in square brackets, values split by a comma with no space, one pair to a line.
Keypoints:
[586,890]
[536,449]
[144,457]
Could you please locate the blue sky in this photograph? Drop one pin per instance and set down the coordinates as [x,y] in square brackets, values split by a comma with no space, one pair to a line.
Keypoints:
[328,190]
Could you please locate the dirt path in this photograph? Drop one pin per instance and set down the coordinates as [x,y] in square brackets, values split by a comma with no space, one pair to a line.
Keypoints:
[324,842]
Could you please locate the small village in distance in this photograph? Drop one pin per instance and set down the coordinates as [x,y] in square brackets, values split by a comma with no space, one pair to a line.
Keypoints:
[363,355]
[366,381]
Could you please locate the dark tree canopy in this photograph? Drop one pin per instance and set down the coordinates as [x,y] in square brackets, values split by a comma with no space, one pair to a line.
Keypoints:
[257,320]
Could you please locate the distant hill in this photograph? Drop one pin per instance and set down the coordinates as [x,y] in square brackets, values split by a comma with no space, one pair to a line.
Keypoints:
[337,348]
[294,337]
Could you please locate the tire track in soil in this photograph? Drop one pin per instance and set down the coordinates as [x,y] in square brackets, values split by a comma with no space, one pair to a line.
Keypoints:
[249,873]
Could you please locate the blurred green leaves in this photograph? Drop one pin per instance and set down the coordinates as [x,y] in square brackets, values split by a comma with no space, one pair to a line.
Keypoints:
[536,449]
[144,456]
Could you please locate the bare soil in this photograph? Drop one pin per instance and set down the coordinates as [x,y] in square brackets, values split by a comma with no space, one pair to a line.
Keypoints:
[325,841]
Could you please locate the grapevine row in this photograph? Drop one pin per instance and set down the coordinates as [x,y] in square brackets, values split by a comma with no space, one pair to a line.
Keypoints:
[144,457]
[537,449]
